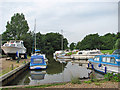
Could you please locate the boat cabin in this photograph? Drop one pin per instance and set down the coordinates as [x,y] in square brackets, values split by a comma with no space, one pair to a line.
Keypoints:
[14,43]
[37,62]
[105,63]
[107,59]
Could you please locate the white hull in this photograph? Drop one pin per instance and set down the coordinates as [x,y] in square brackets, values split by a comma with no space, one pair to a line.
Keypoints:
[82,56]
[38,66]
[109,68]
[13,49]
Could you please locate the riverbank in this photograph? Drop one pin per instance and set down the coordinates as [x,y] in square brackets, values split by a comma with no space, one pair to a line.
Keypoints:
[83,84]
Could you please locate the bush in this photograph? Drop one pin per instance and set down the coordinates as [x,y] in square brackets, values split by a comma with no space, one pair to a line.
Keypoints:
[112,77]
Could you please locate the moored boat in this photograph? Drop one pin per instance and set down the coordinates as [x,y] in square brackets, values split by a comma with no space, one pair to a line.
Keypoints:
[86,54]
[38,62]
[105,63]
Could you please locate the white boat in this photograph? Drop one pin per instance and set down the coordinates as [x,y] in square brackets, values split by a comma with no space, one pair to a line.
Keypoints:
[61,55]
[86,54]
[105,63]
[14,47]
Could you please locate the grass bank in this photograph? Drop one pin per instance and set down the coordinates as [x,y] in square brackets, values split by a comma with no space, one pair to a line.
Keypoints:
[107,51]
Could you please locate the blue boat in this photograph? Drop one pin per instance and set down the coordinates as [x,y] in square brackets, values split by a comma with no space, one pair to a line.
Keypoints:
[105,63]
[38,62]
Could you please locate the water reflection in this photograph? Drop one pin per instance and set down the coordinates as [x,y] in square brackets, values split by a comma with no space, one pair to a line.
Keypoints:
[53,66]
[37,75]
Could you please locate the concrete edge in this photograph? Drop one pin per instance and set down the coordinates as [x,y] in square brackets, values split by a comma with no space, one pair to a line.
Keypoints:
[3,77]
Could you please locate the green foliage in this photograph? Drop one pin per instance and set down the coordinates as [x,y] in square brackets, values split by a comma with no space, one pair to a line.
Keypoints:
[107,51]
[72,46]
[93,41]
[112,77]
[17,27]
[75,81]
[70,53]
[117,44]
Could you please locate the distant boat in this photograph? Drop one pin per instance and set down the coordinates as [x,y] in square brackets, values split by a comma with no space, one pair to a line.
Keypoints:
[86,54]
[37,62]
[14,47]
[105,63]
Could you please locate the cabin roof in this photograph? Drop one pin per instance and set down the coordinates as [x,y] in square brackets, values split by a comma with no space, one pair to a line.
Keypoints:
[108,55]
[37,56]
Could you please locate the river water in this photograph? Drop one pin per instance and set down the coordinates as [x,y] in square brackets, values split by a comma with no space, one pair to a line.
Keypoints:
[56,72]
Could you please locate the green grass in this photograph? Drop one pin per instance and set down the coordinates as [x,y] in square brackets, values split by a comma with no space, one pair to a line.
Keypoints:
[107,51]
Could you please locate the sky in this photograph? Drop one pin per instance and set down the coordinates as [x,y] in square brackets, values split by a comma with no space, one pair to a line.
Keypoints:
[77,18]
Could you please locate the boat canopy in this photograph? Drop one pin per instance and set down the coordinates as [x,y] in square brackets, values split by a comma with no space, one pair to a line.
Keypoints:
[37,50]
[37,59]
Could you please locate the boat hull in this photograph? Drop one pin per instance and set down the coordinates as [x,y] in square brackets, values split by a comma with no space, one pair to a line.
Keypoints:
[38,67]
[82,57]
[105,68]
[11,50]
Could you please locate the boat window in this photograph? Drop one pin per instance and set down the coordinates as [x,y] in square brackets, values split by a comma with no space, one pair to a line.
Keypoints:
[112,60]
[37,60]
[108,59]
[104,59]
[96,59]
[80,53]
[13,45]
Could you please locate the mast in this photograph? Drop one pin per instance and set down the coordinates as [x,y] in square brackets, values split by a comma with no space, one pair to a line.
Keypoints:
[62,40]
[35,33]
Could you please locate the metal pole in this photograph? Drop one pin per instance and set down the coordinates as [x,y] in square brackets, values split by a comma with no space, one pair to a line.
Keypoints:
[35,33]
[62,40]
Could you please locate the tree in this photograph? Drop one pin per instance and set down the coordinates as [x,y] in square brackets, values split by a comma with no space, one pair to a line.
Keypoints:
[72,46]
[108,41]
[117,44]
[91,41]
[17,27]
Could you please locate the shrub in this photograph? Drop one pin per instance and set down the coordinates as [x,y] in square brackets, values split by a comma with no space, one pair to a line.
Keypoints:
[112,77]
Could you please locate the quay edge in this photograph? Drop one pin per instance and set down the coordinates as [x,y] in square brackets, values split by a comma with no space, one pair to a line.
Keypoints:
[8,77]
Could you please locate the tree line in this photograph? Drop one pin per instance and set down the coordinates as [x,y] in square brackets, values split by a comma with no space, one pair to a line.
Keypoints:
[95,41]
